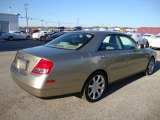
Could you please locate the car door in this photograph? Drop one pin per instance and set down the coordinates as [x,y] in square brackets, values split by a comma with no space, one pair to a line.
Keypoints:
[137,60]
[23,35]
[113,58]
[17,35]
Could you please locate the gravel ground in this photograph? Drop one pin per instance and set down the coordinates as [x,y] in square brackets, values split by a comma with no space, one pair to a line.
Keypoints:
[137,97]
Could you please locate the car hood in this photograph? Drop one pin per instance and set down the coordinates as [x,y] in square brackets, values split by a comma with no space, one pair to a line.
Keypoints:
[45,51]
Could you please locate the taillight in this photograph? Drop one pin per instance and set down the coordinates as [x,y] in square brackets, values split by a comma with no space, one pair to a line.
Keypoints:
[43,67]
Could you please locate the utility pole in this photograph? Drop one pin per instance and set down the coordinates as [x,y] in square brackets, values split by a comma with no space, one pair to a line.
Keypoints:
[42,22]
[26,10]
[59,23]
[77,21]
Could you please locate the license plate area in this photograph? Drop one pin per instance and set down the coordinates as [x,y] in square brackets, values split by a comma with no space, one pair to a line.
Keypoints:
[21,64]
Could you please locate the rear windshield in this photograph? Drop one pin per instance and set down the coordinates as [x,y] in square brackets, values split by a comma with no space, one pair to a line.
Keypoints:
[56,35]
[70,41]
[129,35]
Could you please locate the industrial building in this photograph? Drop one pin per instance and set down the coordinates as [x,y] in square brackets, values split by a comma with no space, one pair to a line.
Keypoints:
[9,22]
[150,30]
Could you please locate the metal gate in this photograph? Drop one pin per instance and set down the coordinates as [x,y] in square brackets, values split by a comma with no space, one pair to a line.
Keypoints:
[4,26]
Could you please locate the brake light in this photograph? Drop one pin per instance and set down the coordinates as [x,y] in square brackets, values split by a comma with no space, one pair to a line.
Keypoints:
[43,67]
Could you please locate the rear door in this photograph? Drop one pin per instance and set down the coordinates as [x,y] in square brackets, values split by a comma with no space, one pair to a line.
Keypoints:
[17,35]
[23,35]
[114,58]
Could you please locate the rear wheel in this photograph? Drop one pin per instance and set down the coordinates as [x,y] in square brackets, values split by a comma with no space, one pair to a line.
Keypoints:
[28,37]
[42,38]
[150,67]
[10,38]
[95,87]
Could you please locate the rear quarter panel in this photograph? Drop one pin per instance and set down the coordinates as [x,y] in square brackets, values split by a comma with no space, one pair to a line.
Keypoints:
[72,70]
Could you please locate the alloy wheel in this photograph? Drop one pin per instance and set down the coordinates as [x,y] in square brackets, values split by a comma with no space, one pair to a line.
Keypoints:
[151,65]
[96,87]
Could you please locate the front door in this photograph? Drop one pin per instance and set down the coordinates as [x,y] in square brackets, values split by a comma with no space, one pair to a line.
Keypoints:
[114,58]
[137,60]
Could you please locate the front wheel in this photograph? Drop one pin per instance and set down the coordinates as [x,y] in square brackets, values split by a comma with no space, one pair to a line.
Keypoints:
[42,38]
[10,38]
[150,67]
[28,37]
[95,87]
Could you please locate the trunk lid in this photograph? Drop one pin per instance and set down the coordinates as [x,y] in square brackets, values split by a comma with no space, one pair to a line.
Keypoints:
[27,59]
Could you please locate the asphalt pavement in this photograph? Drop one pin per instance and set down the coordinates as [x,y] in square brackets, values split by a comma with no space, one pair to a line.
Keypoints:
[137,97]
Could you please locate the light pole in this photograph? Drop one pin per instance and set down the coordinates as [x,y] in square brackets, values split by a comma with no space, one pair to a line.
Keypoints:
[42,23]
[26,10]
[77,21]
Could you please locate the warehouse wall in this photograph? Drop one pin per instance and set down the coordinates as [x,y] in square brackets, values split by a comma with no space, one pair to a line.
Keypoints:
[8,22]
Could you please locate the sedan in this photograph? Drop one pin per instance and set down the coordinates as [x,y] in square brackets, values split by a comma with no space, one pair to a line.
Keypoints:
[82,61]
[154,42]
[12,35]
[139,39]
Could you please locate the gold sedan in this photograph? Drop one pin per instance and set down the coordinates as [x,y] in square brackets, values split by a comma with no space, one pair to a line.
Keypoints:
[83,61]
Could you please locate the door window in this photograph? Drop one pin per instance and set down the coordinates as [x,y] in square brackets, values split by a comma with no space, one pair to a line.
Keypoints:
[127,42]
[110,43]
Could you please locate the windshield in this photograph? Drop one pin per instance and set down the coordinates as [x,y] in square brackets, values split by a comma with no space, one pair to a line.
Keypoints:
[70,41]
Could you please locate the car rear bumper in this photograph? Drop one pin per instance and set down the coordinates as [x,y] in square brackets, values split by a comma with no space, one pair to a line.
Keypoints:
[33,88]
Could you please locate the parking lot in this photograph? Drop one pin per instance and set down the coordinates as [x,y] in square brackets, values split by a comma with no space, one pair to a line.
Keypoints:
[137,97]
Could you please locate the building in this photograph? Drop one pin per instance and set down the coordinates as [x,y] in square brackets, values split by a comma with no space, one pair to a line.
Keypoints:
[9,22]
[149,30]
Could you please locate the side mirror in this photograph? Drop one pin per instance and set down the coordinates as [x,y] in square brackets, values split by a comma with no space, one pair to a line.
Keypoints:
[137,47]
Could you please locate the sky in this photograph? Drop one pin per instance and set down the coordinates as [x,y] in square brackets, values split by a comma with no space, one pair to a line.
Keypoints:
[122,13]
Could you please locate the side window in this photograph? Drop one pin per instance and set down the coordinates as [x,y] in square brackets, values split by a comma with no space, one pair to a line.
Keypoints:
[17,32]
[127,42]
[110,43]
[157,37]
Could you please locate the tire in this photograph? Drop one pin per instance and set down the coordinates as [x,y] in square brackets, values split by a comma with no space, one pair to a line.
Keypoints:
[42,38]
[95,87]
[150,66]
[28,37]
[10,38]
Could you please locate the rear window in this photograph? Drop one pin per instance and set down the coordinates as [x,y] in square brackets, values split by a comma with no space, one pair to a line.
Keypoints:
[70,41]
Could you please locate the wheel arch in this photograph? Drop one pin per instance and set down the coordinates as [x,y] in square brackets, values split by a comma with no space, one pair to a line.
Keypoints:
[99,70]
[152,56]
[10,37]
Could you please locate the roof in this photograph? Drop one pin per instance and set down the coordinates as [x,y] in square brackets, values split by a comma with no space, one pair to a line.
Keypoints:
[100,32]
[9,14]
